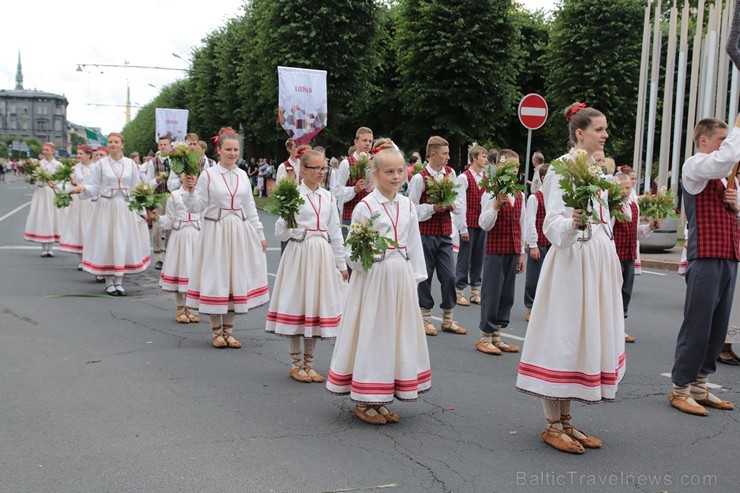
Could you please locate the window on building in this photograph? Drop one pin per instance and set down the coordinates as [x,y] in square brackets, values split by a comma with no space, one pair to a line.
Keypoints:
[58,142]
[42,110]
[42,125]
[58,126]
[13,124]
[59,110]
[12,110]
[24,110]
[24,125]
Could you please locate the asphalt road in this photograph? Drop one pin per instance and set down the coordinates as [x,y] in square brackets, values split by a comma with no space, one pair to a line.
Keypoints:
[110,394]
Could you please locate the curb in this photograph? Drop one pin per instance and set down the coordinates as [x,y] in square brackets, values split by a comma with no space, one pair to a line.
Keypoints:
[660,264]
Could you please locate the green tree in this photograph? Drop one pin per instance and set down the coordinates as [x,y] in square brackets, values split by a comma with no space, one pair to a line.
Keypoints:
[76,140]
[594,56]
[457,69]
[140,132]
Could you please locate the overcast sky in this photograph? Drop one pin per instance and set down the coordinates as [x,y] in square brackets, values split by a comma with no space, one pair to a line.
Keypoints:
[54,36]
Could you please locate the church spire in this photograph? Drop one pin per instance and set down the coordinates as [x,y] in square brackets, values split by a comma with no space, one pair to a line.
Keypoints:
[19,75]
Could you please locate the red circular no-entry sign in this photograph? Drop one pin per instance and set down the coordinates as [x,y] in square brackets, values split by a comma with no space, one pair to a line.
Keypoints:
[533,111]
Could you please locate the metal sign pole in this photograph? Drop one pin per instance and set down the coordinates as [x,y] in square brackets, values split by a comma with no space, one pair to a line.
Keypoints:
[526,165]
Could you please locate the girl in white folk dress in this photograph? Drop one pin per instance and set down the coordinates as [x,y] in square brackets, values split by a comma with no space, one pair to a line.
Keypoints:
[75,219]
[381,350]
[306,300]
[229,270]
[574,347]
[42,225]
[184,230]
[116,238]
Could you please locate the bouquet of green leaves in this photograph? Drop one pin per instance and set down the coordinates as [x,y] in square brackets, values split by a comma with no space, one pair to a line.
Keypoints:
[32,169]
[367,242]
[417,168]
[505,181]
[658,206]
[144,197]
[616,199]
[183,160]
[441,190]
[361,169]
[581,181]
[285,201]
[62,176]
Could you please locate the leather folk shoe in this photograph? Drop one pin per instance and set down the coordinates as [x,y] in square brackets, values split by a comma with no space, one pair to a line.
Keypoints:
[462,301]
[561,441]
[429,329]
[487,347]
[686,404]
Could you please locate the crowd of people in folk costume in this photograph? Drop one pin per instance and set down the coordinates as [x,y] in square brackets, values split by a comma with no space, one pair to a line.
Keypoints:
[577,288]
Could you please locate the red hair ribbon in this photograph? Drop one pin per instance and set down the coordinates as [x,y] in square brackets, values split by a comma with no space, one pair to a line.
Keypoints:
[376,150]
[215,138]
[575,110]
[50,144]
[624,169]
[299,155]
[84,148]
[115,134]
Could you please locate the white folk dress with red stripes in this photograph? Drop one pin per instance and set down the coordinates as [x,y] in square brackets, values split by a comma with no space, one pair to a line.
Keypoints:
[74,222]
[116,238]
[229,269]
[308,292]
[42,225]
[381,350]
[574,347]
[185,229]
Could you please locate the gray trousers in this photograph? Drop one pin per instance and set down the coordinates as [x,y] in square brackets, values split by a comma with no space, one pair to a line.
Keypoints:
[159,245]
[438,255]
[470,259]
[497,291]
[710,286]
[532,276]
[628,282]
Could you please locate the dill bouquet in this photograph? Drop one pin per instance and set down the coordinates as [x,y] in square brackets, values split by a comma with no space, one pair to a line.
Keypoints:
[615,200]
[285,201]
[366,242]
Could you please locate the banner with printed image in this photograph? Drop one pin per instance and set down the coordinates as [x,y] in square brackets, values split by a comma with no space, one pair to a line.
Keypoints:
[171,122]
[302,102]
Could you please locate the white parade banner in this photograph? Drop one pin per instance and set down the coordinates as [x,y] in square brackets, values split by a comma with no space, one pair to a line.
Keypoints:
[171,122]
[302,102]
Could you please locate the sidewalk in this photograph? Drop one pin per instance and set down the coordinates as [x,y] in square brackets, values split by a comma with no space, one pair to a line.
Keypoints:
[10,178]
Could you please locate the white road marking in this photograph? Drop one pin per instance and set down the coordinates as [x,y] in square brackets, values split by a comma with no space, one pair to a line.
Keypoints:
[654,273]
[709,384]
[15,210]
[19,247]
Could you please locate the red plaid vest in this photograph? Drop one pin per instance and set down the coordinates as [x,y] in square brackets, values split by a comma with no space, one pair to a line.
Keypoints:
[539,220]
[159,168]
[713,232]
[625,236]
[506,236]
[473,195]
[440,224]
[349,206]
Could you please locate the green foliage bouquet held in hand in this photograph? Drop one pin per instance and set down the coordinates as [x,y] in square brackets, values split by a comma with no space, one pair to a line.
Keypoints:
[182,160]
[581,180]
[441,190]
[367,243]
[62,176]
[505,181]
[658,206]
[616,199]
[144,197]
[361,169]
[285,201]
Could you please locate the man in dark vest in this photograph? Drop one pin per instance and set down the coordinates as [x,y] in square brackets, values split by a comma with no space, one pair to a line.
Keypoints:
[713,248]
[159,172]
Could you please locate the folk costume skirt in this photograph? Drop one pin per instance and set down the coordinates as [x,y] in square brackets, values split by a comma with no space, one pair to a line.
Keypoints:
[42,225]
[74,224]
[175,274]
[574,346]
[116,239]
[308,292]
[229,269]
[381,350]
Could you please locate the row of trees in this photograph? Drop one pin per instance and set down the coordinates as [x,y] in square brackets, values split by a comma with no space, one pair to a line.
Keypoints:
[413,68]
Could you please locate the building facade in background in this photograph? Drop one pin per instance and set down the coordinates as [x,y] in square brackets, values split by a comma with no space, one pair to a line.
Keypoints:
[31,113]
